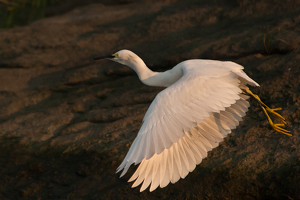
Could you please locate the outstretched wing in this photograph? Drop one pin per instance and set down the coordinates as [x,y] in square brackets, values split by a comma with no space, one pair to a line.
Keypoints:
[202,106]
[183,156]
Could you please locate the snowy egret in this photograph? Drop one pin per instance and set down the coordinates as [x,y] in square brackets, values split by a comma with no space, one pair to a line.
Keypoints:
[204,100]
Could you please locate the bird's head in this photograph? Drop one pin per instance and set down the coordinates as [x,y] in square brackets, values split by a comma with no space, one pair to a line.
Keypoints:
[124,57]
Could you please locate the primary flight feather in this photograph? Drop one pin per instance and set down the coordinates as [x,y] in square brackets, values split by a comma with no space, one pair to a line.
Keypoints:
[203,101]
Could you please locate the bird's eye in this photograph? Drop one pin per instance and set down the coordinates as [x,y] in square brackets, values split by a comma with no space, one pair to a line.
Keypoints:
[116,55]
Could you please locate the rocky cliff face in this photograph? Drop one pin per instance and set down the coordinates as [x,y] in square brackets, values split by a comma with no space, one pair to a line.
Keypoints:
[66,122]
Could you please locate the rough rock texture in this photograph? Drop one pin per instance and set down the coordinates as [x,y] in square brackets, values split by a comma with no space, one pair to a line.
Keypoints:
[66,122]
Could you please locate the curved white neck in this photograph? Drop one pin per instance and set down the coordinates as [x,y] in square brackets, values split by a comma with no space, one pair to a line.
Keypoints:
[141,69]
[148,77]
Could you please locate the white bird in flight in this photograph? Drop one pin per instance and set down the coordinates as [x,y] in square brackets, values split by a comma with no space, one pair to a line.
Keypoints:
[203,101]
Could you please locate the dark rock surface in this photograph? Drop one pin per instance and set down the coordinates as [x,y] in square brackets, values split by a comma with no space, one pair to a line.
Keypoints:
[66,122]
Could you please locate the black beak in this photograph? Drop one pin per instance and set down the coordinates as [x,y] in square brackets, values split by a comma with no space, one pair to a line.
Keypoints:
[102,57]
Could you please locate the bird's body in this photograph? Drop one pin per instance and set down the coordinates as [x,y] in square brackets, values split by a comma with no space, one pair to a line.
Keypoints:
[202,103]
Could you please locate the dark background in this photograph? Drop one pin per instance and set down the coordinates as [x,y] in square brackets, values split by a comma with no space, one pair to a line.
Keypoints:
[66,122]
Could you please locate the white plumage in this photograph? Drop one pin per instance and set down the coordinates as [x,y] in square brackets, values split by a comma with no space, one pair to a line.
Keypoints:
[202,103]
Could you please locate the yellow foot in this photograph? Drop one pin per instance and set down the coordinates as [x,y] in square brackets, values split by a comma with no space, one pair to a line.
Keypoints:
[277,128]
[266,109]
[280,130]
[275,114]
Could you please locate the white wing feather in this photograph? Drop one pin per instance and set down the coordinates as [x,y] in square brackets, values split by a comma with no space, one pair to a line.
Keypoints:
[196,143]
[186,120]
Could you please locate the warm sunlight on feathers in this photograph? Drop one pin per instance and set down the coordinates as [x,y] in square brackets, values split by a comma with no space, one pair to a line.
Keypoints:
[202,103]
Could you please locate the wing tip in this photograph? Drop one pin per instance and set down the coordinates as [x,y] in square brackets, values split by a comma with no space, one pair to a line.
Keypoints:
[253,83]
